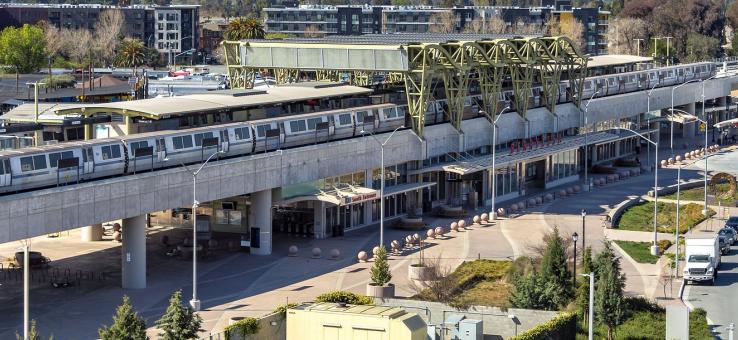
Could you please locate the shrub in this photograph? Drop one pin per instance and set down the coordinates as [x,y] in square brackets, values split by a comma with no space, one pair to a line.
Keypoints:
[380,271]
[698,327]
[60,81]
[664,244]
[562,326]
[127,325]
[283,308]
[242,328]
[341,296]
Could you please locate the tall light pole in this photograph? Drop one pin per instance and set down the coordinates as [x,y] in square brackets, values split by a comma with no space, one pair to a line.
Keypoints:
[586,151]
[26,291]
[584,231]
[591,304]
[638,46]
[655,246]
[648,121]
[704,212]
[671,134]
[667,49]
[195,302]
[704,113]
[381,190]
[574,237]
[676,234]
[493,213]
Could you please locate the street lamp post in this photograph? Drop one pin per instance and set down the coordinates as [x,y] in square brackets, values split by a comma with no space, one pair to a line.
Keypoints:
[591,304]
[195,302]
[493,213]
[704,113]
[584,231]
[586,152]
[655,246]
[676,235]
[574,238]
[704,212]
[26,291]
[648,111]
[671,133]
[381,190]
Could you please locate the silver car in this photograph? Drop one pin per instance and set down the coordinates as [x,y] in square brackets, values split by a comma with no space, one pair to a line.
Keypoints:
[729,234]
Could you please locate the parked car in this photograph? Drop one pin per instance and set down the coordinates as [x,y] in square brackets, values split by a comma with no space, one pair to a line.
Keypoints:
[729,234]
[732,222]
[724,246]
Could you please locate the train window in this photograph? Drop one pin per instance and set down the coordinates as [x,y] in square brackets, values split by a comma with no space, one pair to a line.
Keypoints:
[298,126]
[389,113]
[2,168]
[313,122]
[87,155]
[55,157]
[200,136]
[33,163]
[138,145]
[344,119]
[401,110]
[262,129]
[360,116]
[160,145]
[242,133]
[181,142]
[110,151]
[7,166]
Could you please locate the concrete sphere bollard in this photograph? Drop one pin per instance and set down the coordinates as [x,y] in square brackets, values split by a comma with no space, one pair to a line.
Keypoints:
[335,253]
[671,160]
[454,226]
[117,236]
[501,212]
[577,189]
[476,219]
[292,251]
[522,205]
[416,238]
[408,241]
[513,207]
[362,256]
[687,156]
[439,231]
[548,198]
[395,246]
[678,158]
[316,252]
[664,163]
[569,190]
[484,217]
[375,250]
[539,200]
[562,193]
[462,224]
[431,233]
[531,202]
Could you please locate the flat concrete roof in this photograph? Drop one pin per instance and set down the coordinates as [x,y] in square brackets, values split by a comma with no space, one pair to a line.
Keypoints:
[369,310]
[157,108]
[616,59]
[46,112]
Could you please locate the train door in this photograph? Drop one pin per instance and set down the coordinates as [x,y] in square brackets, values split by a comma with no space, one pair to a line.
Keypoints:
[224,140]
[161,150]
[88,161]
[5,173]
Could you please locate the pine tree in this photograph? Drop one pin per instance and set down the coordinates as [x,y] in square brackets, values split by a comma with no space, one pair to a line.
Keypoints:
[587,265]
[127,325]
[380,271]
[609,289]
[33,333]
[178,322]
[554,270]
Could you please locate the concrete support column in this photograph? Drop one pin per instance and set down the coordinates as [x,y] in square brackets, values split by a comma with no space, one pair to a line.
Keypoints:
[486,186]
[261,219]
[319,219]
[133,253]
[656,136]
[92,233]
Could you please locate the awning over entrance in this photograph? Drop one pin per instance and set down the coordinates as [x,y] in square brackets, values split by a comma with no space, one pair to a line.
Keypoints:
[727,123]
[406,187]
[681,117]
[626,135]
[345,195]
[470,165]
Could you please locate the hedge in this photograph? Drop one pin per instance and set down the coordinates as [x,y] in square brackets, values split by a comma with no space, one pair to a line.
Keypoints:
[562,326]
[341,296]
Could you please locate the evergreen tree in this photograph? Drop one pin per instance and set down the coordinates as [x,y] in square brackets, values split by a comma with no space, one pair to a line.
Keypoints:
[33,333]
[554,271]
[528,292]
[587,265]
[609,289]
[178,322]
[127,325]
[380,271]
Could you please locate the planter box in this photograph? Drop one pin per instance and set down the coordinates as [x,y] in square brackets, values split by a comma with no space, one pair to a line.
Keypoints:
[419,273]
[382,292]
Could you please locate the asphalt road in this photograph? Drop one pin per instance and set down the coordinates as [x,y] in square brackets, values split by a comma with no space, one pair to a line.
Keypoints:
[720,301]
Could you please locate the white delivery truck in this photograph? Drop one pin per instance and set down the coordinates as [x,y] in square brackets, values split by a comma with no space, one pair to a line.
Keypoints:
[702,255]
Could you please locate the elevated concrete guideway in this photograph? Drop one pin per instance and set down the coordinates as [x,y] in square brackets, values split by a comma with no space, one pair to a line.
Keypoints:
[46,211]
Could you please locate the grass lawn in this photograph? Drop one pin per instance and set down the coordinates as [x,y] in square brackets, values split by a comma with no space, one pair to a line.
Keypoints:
[651,324]
[640,217]
[698,194]
[639,251]
[480,282]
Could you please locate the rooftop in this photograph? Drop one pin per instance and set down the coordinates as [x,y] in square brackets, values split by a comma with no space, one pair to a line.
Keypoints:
[368,310]
[157,108]
[616,59]
[397,38]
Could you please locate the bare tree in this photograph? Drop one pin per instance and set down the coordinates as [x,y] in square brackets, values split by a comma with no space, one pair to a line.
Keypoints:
[312,31]
[442,22]
[623,32]
[440,287]
[574,30]
[493,25]
[107,35]
[55,45]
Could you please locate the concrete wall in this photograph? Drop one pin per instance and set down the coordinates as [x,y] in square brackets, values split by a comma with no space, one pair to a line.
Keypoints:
[497,324]
[267,331]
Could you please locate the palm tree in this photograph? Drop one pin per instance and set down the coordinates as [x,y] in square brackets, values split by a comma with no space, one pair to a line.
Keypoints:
[131,53]
[245,28]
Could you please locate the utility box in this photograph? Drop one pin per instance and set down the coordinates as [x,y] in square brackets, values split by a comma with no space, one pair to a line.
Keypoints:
[470,329]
